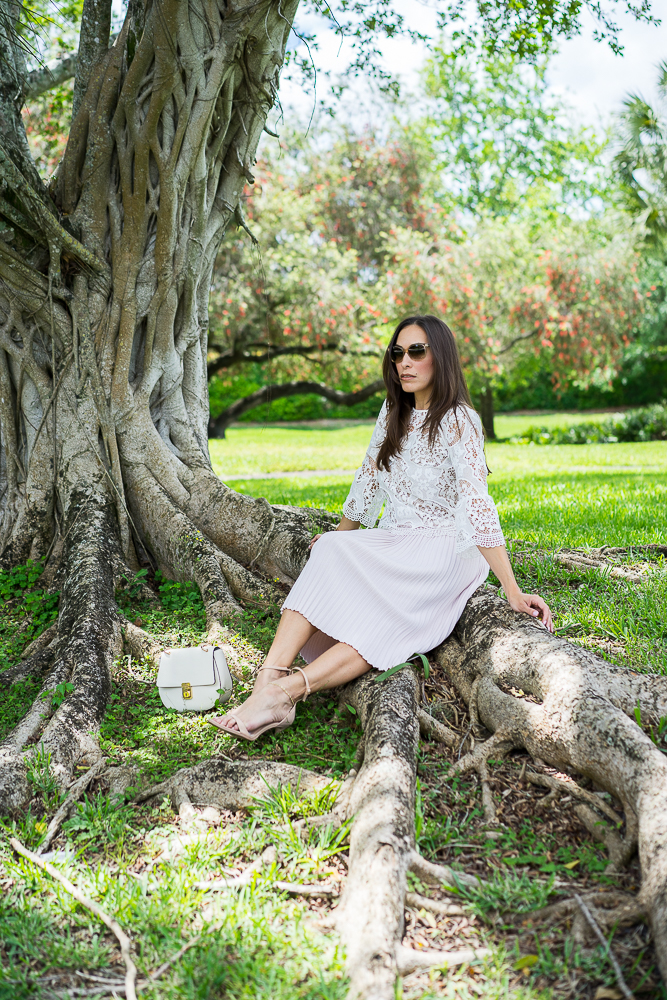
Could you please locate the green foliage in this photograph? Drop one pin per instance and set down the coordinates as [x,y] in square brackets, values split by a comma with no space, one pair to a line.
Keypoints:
[648,424]
[502,144]
[26,606]
[386,674]
[60,692]
[177,596]
[41,776]
[513,290]
[103,822]
[15,581]
[641,156]
[16,701]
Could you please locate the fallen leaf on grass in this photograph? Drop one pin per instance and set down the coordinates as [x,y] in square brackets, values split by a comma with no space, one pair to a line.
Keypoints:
[607,993]
[525,962]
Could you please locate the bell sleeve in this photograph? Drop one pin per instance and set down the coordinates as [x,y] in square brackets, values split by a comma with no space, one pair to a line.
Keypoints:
[476,517]
[365,499]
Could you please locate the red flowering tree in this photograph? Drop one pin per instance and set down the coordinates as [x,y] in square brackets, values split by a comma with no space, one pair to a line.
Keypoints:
[304,304]
[566,289]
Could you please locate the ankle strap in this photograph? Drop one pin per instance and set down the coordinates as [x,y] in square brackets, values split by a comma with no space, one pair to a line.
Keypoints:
[307,691]
[269,666]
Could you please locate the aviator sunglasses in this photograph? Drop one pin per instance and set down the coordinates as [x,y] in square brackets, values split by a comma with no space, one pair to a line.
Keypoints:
[415,351]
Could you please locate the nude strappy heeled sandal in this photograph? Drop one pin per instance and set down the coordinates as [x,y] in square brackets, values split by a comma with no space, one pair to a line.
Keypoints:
[243,733]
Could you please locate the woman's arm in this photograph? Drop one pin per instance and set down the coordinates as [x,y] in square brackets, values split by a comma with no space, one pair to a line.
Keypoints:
[530,604]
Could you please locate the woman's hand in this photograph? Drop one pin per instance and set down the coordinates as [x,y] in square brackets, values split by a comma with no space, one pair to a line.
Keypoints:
[313,540]
[533,605]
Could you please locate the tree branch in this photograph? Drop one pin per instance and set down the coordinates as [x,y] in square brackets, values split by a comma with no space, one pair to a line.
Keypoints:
[219,425]
[239,356]
[47,77]
[244,355]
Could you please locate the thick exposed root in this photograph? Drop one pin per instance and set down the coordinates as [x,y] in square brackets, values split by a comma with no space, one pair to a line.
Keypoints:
[621,849]
[431,729]
[88,639]
[371,915]
[89,619]
[370,918]
[270,539]
[611,909]
[579,721]
[231,785]
[140,645]
[440,876]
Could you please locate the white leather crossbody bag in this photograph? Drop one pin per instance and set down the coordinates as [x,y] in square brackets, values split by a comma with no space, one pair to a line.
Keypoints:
[194,679]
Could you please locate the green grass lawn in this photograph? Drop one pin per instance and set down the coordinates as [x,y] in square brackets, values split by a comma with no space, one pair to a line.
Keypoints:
[294,448]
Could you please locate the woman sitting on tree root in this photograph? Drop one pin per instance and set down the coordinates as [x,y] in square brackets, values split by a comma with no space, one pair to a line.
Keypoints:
[373,598]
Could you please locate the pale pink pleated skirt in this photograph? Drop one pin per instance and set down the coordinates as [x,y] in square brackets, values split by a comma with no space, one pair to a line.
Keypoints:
[387,594]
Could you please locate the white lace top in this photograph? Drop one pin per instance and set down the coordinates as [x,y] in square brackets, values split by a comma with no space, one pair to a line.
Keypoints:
[440,489]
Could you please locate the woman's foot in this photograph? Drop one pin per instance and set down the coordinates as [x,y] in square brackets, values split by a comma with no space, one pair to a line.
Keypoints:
[269,705]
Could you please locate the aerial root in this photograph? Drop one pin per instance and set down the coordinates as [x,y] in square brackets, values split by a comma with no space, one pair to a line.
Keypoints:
[432,729]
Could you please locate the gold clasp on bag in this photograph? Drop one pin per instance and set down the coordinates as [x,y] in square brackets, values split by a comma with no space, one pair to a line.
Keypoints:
[186,690]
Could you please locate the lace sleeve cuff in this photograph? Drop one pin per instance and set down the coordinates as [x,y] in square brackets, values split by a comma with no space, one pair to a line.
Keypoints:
[365,499]
[479,529]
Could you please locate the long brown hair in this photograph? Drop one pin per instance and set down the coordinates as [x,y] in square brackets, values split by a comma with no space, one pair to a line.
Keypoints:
[449,386]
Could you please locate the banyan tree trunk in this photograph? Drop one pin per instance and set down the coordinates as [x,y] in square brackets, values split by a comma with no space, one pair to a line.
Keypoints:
[104,286]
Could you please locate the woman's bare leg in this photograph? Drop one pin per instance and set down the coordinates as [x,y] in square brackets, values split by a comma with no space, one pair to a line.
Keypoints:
[292,634]
[338,665]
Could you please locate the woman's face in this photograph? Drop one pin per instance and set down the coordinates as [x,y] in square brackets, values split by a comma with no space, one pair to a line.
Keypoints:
[416,374]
